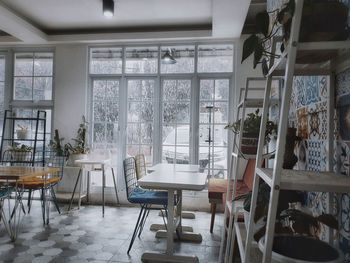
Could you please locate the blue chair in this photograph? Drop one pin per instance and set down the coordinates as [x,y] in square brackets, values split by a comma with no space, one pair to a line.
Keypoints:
[145,198]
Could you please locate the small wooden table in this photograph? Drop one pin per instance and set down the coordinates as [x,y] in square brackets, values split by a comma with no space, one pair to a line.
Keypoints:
[17,174]
[173,181]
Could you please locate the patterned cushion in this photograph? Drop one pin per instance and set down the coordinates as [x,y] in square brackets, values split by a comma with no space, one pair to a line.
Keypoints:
[142,196]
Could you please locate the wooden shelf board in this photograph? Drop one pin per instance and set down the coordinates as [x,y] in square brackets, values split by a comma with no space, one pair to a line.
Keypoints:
[334,50]
[308,180]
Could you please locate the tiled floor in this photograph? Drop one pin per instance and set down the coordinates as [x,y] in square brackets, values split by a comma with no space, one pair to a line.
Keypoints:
[84,236]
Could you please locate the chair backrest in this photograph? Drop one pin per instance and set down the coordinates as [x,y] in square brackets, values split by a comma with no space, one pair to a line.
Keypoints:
[130,175]
[141,169]
[55,161]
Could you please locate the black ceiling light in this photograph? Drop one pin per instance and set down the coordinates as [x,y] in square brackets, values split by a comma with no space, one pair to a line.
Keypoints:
[108,8]
[168,57]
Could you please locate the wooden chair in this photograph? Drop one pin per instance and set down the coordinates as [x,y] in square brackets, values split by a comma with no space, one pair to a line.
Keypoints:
[218,187]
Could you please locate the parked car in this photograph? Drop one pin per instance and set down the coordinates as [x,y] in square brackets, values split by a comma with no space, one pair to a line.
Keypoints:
[181,155]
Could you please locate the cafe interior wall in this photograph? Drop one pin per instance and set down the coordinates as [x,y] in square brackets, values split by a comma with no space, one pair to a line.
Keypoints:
[308,113]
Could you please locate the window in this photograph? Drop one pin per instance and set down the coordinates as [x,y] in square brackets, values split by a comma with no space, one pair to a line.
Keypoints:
[140,118]
[184,56]
[215,58]
[213,114]
[141,60]
[106,61]
[33,76]
[160,109]
[2,91]
[176,120]
[32,88]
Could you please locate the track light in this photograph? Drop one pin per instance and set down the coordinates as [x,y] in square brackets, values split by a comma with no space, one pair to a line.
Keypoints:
[108,8]
[168,58]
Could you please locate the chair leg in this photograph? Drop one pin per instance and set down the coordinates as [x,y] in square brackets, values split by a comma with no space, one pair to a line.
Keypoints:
[75,187]
[145,215]
[54,199]
[165,224]
[29,199]
[212,220]
[115,185]
[43,202]
[135,230]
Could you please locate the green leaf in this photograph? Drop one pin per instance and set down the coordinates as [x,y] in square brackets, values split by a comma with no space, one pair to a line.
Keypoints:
[249,46]
[262,21]
[258,53]
[264,67]
[328,220]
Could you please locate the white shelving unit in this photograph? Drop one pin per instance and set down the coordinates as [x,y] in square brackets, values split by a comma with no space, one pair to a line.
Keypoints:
[247,101]
[278,178]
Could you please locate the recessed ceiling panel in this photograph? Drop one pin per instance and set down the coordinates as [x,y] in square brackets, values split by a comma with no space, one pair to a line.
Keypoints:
[65,15]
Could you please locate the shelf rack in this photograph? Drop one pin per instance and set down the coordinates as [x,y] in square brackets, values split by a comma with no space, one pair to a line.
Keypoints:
[279,178]
[234,208]
[8,137]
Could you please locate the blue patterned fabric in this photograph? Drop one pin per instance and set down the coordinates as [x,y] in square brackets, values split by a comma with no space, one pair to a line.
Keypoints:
[5,192]
[142,196]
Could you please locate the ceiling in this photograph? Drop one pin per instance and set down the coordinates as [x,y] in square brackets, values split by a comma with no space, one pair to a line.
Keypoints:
[55,21]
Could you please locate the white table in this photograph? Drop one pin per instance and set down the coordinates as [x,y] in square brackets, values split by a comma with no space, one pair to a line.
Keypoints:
[93,165]
[173,179]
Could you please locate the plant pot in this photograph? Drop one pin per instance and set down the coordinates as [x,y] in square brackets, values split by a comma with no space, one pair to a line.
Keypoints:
[22,134]
[301,249]
[74,157]
[20,156]
[249,143]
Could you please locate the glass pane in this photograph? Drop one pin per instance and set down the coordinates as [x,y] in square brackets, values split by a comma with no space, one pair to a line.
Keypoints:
[2,68]
[99,89]
[169,133]
[141,60]
[99,132]
[133,111]
[183,135]
[106,61]
[146,111]
[134,90]
[217,154]
[222,87]
[221,112]
[133,133]
[112,90]
[168,153]
[43,64]
[215,58]
[183,113]
[23,88]
[132,150]
[147,150]
[184,90]
[169,90]
[206,89]
[147,90]
[184,56]
[169,112]
[112,111]
[99,111]
[203,134]
[24,64]
[146,133]
[112,132]
[42,89]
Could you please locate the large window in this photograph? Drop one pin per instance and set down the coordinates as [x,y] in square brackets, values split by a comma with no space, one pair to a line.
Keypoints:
[2,91]
[33,88]
[160,109]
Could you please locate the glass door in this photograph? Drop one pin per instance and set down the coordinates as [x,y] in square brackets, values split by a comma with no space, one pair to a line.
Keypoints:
[140,118]
[213,117]
[105,123]
[175,103]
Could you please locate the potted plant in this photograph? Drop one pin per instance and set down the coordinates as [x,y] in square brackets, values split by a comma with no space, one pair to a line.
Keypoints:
[57,147]
[251,129]
[321,21]
[21,153]
[295,231]
[22,133]
[80,149]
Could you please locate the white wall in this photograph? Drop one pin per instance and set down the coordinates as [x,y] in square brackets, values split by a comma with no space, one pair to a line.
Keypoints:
[71,85]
